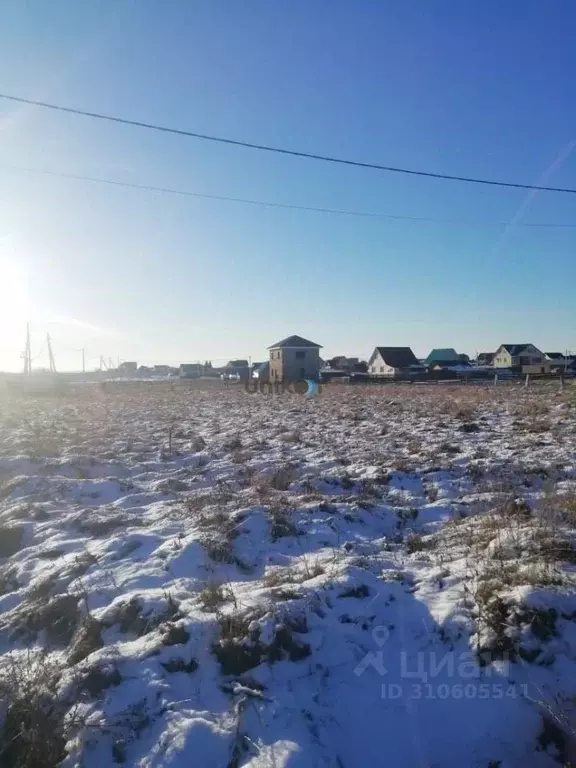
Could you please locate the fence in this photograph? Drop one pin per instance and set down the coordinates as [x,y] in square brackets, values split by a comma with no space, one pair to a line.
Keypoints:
[463,378]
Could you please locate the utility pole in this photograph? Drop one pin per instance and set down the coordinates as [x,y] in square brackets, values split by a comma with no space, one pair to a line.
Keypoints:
[50,354]
[27,352]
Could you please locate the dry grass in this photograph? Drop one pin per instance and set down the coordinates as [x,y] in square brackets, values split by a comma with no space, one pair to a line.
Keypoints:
[454,430]
[33,733]
[280,516]
[514,546]
[214,594]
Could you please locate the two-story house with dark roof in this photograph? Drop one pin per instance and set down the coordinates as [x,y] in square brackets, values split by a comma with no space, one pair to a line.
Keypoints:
[517,355]
[293,359]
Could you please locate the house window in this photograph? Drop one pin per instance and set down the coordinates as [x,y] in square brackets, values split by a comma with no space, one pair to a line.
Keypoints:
[381,369]
[300,355]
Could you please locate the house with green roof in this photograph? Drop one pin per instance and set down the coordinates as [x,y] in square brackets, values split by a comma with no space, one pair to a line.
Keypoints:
[445,357]
[442,355]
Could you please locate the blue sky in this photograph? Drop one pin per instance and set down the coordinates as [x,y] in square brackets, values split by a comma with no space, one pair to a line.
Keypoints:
[481,89]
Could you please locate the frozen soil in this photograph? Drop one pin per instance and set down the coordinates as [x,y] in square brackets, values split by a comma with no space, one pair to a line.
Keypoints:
[201,576]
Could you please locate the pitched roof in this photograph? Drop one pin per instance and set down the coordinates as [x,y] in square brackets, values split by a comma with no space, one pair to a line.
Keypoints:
[441,354]
[397,357]
[514,349]
[237,364]
[294,341]
[561,359]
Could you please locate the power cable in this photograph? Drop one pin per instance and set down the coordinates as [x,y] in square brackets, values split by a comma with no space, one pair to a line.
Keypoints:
[270,204]
[37,356]
[281,150]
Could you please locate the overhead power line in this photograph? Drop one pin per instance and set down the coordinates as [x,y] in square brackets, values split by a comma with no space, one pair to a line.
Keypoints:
[288,206]
[282,150]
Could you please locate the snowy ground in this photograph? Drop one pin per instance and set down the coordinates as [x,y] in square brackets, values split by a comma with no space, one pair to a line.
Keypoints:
[376,577]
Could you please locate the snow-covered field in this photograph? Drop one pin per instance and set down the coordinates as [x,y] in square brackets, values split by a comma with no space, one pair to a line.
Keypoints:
[376,577]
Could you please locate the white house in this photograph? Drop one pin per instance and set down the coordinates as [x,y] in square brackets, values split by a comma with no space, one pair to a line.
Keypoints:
[517,355]
[393,361]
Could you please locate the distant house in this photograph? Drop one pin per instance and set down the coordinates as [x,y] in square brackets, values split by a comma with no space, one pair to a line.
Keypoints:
[443,355]
[450,365]
[485,358]
[446,358]
[294,358]
[393,361]
[342,363]
[560,362]
[236,372]
[164,370]
[561,358]
[128,367]
[261,371]
[191,370]
[517,355]
[546,366]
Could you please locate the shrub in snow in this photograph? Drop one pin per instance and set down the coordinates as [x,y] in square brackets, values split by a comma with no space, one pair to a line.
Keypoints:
[57,618]
[32,728]
[245,642]
[212,596]
[87,640]
[178,664]
[10,540]
[176,635]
